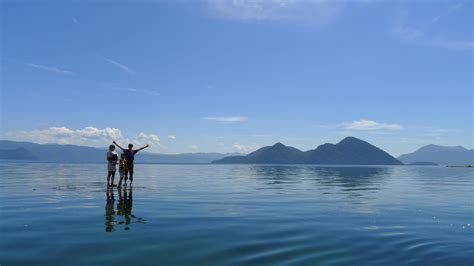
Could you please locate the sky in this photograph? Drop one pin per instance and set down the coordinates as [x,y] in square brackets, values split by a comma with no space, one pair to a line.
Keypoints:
[234,76]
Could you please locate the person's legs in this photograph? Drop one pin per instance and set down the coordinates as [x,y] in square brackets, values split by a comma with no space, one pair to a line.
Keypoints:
[126,177]
[109,175]
[130,171]
[121,173]
[112,179]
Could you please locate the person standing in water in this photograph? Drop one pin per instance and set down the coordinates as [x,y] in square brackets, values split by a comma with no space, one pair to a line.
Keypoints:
[112,158]
[122,169]
[130,157]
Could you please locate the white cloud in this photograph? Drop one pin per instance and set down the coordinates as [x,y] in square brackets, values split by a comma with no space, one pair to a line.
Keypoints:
[240,148]
[370,125]
[92,132]
[173,137]
[227,119]
[194,148]
[148,137]
[63,135]
[88,136]
[314,11]
[119,65]
[143,139]
[153,93]
[51,69]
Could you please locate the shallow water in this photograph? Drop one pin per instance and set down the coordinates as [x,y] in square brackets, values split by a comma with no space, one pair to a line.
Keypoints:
[62,214]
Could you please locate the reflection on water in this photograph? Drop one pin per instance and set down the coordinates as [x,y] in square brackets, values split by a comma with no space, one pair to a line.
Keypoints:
[356,184]
[276,174]
[109,211]
[349,178]
[350,172]
[122,217]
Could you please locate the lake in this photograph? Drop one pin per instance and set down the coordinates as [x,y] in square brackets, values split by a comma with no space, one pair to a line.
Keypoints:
[63,214]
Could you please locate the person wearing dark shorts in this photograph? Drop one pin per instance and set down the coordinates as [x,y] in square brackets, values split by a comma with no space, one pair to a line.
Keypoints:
[130,157]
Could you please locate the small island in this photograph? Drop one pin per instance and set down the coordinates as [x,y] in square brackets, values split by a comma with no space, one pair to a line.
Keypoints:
[349,151]
[467,166]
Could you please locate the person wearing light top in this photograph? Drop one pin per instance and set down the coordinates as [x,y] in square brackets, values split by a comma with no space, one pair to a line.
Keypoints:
[112,158]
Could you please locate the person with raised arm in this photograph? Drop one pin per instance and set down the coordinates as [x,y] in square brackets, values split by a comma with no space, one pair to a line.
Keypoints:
[130,157]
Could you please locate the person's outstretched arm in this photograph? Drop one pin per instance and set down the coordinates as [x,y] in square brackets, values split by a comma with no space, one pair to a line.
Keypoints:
[144,147]
[118,145]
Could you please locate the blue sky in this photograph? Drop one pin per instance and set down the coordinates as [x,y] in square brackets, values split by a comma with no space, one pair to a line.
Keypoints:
[229,76]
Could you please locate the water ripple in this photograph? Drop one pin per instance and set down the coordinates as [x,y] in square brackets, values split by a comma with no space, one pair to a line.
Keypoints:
[237,215]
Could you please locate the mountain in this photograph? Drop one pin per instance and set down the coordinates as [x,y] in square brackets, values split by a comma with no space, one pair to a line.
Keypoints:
[444,155]
[55,153]
[16,154]
[348,151]
[276,154]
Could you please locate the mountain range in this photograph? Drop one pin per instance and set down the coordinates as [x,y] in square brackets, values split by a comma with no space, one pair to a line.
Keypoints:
[56,153]
[348,151]
[443,155]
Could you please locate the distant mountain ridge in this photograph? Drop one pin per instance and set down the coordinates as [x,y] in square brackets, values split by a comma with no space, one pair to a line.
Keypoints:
[56,153]
[348,151]
[16,154]
[443,155]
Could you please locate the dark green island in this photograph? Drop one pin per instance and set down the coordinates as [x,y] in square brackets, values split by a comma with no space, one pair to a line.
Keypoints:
[349,151]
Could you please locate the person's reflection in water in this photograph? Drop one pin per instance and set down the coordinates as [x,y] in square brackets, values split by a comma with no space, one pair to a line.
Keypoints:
[124,206]
[113,220]
[109,211]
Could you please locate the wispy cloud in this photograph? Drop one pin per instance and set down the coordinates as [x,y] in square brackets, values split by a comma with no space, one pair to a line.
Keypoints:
[407,33]
[120,66]
[172,137]
[240,148]
[227,119]
[75,21]
[447,12]
[438,133]
[153,93]
[423,33]
[51,69]
[420,36]
[369,125]
[453,44]
[123,89]
[315,11]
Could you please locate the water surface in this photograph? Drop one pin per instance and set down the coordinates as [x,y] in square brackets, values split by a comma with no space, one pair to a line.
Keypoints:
[62,214]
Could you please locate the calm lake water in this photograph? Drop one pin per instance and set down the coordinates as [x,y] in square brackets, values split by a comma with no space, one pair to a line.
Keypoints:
[60,214]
